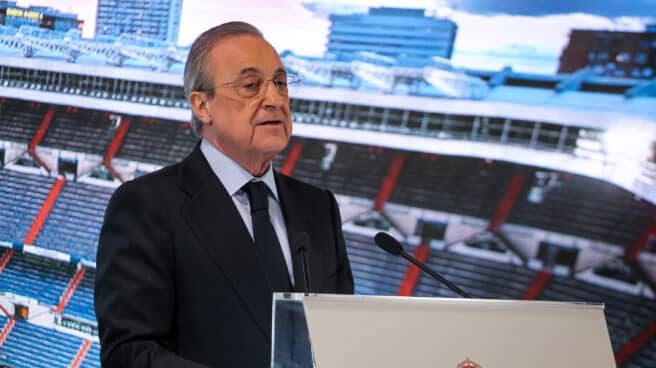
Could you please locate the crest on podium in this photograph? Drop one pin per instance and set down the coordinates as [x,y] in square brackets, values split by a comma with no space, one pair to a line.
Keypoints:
[468,363]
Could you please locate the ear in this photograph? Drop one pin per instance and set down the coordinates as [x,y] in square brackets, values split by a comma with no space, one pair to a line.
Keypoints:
[200,107]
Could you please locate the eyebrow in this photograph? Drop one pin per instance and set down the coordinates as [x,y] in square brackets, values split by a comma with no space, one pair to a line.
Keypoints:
[255,70]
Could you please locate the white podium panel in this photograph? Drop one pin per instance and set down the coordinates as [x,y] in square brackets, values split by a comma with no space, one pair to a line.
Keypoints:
[369,331]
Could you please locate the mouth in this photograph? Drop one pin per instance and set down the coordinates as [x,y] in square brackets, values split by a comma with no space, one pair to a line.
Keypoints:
[269,122]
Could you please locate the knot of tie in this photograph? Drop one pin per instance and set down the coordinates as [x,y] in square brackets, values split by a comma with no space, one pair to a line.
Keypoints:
[258,195]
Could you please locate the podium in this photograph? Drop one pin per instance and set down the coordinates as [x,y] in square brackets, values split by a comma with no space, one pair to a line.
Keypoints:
[345,331]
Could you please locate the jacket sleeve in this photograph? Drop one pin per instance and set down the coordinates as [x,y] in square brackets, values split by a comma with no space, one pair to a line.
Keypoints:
[135,288]
[344,273]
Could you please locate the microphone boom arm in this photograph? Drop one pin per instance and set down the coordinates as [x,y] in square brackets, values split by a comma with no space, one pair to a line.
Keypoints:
[435,275]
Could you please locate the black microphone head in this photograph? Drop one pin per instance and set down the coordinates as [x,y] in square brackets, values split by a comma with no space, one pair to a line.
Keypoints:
[302,241]
[388,243]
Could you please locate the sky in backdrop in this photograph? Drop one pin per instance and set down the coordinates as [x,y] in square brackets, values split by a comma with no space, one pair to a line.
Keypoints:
[527,35]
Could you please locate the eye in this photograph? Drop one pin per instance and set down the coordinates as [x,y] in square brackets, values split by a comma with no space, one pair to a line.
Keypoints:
[251,83]
[280,82]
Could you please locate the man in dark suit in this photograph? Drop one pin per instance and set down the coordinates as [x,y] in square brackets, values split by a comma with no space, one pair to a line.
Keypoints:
[189,256]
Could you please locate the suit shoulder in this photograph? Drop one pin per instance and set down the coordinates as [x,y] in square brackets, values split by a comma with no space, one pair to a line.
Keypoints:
[165,175]
[161,180]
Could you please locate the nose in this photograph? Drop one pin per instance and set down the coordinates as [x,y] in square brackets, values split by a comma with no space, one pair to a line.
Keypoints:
[271,97]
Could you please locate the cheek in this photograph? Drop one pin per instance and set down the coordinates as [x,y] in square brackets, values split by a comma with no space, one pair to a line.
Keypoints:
[288,123]
[288,113]
[236,116]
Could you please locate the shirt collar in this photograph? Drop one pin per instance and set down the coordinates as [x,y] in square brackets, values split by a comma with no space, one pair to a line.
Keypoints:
[232,175]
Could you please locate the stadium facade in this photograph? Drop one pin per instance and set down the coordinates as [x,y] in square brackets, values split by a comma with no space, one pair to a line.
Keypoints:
[407,36]
[156,19]
[12,15]
[611,53]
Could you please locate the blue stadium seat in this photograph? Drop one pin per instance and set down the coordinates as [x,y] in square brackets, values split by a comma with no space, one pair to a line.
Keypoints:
[461,185]
[479,277]
[645,357]
[21,198]
[79,130]
[32,346]
[92,359]
[81,303]
[354,170]
[36,277]
[157,141]
[19,120]
[587,208]
[74,222]
[374,271]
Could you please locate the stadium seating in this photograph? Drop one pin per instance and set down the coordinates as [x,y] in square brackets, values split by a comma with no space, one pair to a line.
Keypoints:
[36,277]
[481,278]
[19,120]
[79,130]
[375,271]
[74,222]
[21,197]
[354,170]
[92,359]
[157,141]
[4,356]
[644,358]
[81,303]
[32,346]
[465,186]
[587,208]
[469,186]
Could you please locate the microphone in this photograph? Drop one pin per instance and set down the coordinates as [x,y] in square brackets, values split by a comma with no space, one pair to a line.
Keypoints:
[302,241]
[392,246]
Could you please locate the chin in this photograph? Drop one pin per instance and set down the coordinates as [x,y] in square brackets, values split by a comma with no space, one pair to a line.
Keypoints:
[272,147]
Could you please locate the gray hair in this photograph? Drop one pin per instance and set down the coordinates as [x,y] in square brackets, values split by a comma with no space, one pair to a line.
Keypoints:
[196,77]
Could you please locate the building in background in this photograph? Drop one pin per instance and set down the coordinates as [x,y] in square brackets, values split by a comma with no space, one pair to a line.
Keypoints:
[14,16]
[406,35]
[611,53]
[155,19]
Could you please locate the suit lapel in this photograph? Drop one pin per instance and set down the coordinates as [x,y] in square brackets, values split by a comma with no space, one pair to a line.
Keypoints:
[212,216]
[298,219]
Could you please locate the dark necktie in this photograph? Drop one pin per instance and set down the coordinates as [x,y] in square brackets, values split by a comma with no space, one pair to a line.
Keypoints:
[269,253]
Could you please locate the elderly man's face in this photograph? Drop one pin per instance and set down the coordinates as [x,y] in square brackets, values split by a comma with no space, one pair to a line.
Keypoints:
[250,130]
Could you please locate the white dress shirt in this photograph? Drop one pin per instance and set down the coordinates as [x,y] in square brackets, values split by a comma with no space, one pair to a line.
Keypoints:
[234,177]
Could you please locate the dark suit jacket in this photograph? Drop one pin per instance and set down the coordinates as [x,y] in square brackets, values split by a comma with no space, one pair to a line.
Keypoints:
[177,284]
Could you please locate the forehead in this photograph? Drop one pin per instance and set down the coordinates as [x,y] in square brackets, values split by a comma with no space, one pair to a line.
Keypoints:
[233,55]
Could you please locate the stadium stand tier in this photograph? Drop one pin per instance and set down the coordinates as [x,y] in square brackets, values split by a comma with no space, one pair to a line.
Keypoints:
[19,119]
[461,185]
[348,169]
[81,303]
[375,271]
[157,141]
[74,222]
[644,358]
[587,208]
[481,278]
[79,130]
[566,204]
[36,277]
[21,197]
[92,360]
[25,344]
